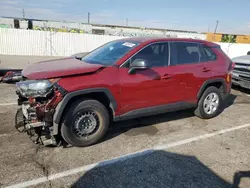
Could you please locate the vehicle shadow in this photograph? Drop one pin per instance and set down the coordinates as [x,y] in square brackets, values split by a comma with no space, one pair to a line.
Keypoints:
[238,176]
[151,168]
[145,122]
[124,126]
[229,101]
[241,89]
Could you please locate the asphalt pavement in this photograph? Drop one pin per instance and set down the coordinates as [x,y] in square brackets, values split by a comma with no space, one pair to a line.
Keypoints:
[169,150]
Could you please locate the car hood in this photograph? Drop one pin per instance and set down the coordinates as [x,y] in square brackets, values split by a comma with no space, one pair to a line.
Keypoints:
[242,59]
[59,68]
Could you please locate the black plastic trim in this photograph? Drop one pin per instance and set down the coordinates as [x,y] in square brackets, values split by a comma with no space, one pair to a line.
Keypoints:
[60,89]
[61,106]
[155,110]
[216,80]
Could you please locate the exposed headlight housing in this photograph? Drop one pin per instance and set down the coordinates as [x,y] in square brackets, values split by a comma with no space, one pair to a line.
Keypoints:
[34,88]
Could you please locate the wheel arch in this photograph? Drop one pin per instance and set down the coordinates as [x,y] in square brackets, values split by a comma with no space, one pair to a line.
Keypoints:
[220,83]
[86,93]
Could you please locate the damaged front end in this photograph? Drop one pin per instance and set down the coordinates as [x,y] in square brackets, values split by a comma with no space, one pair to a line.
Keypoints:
[37,100]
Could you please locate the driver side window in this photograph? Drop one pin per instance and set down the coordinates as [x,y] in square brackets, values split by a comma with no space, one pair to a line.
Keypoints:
[156,55]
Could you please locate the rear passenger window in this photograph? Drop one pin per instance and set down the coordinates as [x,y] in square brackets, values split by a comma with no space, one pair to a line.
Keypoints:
[184,53]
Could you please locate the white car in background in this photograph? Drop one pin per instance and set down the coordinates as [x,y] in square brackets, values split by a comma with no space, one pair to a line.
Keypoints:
[241,72]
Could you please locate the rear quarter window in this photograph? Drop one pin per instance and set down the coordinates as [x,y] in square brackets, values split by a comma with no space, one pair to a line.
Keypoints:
[211,56]
[208,54]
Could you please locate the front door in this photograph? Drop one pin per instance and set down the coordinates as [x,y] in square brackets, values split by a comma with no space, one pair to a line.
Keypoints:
[150,87]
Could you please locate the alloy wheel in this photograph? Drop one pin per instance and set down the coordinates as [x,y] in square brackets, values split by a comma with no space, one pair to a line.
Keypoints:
[211,103]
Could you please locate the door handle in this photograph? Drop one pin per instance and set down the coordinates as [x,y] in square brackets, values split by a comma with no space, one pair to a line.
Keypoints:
[166,76]
[205,69]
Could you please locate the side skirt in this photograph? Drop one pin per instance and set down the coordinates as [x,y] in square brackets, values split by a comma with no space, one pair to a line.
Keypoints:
[155,110]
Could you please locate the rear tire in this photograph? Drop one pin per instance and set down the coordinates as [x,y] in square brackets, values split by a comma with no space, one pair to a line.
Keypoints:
[85,123]
[209,104]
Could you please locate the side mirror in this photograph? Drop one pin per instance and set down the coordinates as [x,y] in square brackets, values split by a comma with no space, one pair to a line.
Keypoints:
[138,64]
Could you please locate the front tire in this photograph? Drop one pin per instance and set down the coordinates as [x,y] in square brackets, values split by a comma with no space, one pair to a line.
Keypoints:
[209,104]
[85,123]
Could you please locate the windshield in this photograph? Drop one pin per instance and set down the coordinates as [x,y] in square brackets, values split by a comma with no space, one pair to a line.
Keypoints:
[109,53]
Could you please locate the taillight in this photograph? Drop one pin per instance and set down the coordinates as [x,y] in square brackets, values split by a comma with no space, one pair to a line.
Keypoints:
[229,77]
[230,71]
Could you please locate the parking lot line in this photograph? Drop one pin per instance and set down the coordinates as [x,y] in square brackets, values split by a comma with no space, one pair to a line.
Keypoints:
[124,157]
[8,104]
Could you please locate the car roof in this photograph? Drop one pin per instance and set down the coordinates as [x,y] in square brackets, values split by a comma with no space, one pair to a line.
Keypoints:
[165,39]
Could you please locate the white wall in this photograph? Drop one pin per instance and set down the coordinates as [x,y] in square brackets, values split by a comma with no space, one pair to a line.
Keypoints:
[234,50]
[7,22]
[44,43]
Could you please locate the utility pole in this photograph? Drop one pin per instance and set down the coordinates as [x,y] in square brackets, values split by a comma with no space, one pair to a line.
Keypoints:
[126,21]
[217,23]
[88,17]
[23,14]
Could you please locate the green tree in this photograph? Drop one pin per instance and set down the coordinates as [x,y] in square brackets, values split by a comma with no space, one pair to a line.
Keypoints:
[228,38]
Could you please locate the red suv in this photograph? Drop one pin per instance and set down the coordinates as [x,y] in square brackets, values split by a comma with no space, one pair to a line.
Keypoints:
[76,99]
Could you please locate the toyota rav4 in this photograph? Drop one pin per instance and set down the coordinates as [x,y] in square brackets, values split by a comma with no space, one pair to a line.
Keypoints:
[76,99]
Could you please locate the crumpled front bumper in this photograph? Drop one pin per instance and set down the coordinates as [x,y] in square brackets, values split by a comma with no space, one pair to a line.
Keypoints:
[37,131]
[35,118]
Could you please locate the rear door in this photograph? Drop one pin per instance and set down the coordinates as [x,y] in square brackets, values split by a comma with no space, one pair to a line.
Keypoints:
[186,69]
[211,66]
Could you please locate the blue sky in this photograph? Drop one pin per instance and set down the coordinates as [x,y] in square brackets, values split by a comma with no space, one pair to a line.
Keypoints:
[198,15]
